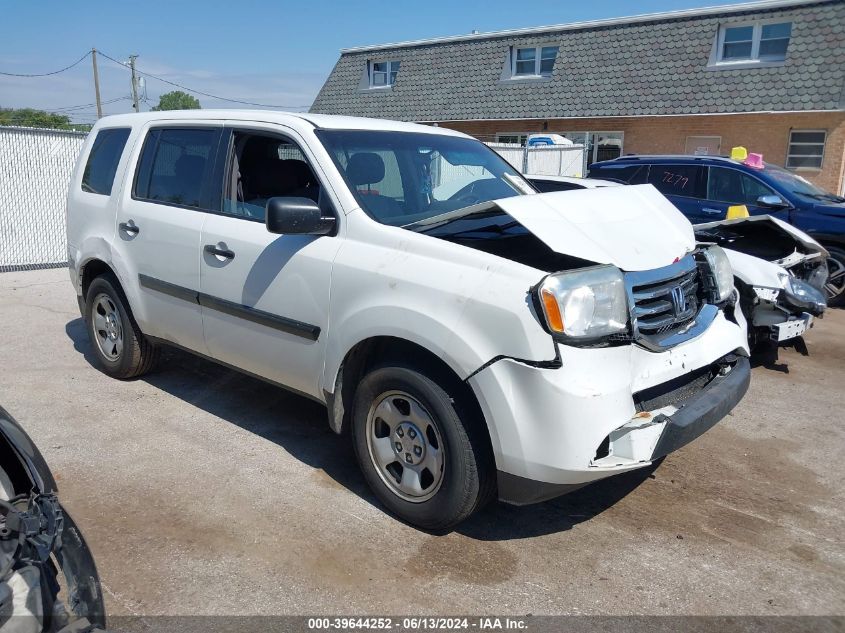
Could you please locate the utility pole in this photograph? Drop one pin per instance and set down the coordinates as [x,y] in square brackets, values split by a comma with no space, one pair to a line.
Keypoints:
[132,59]
[96,83]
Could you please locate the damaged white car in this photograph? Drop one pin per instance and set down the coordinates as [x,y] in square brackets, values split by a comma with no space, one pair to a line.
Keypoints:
[477,338]
[780,273]
[38,540]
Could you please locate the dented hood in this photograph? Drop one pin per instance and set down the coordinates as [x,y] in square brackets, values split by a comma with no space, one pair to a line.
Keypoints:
[634,227]
[810,245]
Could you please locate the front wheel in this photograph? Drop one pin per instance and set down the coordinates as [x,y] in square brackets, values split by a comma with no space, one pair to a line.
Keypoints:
[835,286]
[422,451]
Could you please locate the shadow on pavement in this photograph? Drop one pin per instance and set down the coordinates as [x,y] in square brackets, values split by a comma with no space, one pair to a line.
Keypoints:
[300,427]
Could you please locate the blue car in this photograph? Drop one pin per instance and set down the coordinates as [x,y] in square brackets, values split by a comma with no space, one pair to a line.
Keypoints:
[703,187]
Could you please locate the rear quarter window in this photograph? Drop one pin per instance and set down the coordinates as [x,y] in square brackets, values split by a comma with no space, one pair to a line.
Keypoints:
[103,159]
[630,174]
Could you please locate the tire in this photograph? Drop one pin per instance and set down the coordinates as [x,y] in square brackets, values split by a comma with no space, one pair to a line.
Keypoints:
[466,478]
[120,349]
[835,287]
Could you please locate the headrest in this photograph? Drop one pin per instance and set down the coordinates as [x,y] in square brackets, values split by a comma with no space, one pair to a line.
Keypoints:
[299,170]
[365,168]
[273,178]
[189,166]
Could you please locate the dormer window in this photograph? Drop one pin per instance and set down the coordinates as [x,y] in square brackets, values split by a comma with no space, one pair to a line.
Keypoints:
[753,42]
[534,61]
[383,73]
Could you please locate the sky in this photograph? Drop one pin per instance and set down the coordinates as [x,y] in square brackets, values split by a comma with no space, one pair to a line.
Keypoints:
[276,53]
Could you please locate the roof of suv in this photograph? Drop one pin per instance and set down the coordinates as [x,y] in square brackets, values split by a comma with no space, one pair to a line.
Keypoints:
[323,121]
[660,158]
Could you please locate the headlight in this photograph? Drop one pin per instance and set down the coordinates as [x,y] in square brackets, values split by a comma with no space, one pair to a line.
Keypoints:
[585,304]
[803,295]
[723,274]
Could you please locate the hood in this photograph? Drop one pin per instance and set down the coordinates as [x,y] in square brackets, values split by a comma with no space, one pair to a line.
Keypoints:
[832,209]
[787,230]
[634,227]
[755,271]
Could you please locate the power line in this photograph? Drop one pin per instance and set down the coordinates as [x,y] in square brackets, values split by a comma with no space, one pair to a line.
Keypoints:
[84,105]
[55,72]
[200,92]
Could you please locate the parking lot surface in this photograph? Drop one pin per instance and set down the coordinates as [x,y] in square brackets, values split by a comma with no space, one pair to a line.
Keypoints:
[202,491]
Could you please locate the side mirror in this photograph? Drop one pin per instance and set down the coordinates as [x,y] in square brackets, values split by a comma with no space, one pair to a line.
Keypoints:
[302,216]
[771,202]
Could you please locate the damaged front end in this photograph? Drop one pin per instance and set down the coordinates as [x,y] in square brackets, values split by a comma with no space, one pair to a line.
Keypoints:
[780,275]
[37,539]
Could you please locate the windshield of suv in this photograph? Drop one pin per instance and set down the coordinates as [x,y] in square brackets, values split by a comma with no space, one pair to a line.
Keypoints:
[403,177]
[799,185]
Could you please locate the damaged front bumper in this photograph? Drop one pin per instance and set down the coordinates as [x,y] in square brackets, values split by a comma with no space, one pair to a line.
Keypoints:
[37,535]
[607,410]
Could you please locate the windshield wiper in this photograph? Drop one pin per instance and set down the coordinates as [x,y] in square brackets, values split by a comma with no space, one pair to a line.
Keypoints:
[450,216]
[501,229]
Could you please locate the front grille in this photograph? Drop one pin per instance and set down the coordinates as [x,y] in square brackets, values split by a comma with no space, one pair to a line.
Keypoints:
[664,301]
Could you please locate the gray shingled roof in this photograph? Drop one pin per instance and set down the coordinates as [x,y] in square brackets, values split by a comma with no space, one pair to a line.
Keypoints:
[653,67]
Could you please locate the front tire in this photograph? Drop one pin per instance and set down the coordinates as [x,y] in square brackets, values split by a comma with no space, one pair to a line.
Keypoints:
[835,286]
[422,451]
[120,350]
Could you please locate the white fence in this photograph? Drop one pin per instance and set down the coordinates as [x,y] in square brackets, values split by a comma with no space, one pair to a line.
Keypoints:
[545,160]
[35,168]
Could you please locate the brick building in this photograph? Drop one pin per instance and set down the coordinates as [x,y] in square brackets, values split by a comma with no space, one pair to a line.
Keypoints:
[768,75]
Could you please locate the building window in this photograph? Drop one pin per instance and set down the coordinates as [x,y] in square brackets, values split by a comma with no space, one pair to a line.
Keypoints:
[511,138]
[383,74]
[806,149]
[535,61]
[753,42]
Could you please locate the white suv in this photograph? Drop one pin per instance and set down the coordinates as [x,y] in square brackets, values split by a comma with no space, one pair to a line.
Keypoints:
[476,337]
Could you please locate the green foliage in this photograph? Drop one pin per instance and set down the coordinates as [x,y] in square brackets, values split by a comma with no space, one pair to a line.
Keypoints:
[29,117]
[177,100]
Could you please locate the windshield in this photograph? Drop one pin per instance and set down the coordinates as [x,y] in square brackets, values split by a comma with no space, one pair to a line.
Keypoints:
[403,177]
[797,184]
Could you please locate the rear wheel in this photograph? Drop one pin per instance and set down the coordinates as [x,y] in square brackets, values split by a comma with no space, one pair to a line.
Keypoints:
[835,286]
[421,450]
[120,350]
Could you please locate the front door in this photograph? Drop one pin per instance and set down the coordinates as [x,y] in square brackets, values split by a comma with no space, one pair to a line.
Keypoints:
[728,187]
[265,297]
[158,231]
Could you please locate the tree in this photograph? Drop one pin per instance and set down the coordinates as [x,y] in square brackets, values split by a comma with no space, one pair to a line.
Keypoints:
[177,100]
[29,117]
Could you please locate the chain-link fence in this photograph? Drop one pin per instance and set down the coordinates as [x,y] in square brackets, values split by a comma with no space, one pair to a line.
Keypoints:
[544,160]
[35,168]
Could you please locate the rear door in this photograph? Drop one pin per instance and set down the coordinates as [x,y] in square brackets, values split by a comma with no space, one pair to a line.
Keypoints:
[158,230]
[727,187]
[265,297]
[685,185]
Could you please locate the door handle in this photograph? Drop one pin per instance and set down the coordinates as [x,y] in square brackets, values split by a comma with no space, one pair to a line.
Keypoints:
[712,211]
[213,249]
[129,227]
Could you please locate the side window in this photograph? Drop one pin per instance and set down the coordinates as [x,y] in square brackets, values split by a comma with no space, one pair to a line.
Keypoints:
[263,167]
[174,165]
[754,189]
[679,180]
[734,187]
[101,167]
[632,174]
